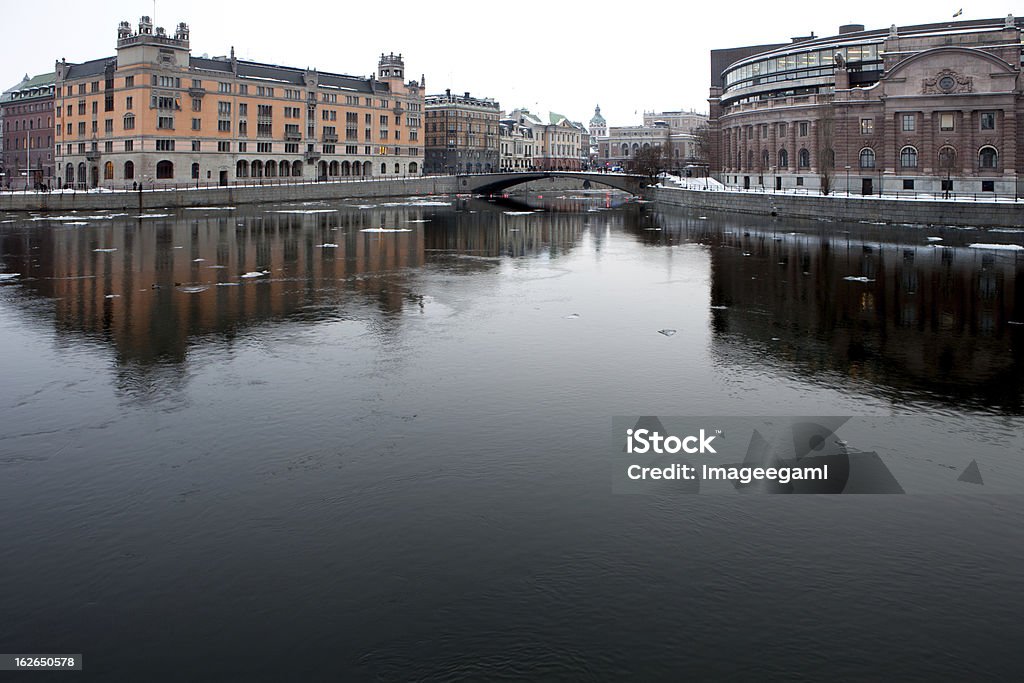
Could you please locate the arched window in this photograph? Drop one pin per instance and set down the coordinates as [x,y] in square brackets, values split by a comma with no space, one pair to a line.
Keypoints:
[195,171]
[334,169]
[284,168]
[396,169]
[242,169]
[804,159]
[367,169]
[257,169]
[69,175]
[383,169]
[129,121]
[321,169]
[129,170]
[296,168]
[988,157]
[867,158]
[947,159]
[346,168]
[908,157]
[625,149]
[766,159]
[164,170]
[783,159]
[750,159]
[108,170]
[81,174]
[270,168]
[413,168]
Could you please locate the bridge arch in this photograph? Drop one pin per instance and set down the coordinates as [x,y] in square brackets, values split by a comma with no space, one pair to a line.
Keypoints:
[492,183]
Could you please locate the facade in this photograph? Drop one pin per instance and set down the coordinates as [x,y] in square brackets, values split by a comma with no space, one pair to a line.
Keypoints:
[677,121]
[155,115]
[517,145]
[561,144]
[462,134]
[622,143]
[27,112]
[929,108]
[598,129]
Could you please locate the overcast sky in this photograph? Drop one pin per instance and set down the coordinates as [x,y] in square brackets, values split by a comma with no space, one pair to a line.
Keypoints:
[563,56]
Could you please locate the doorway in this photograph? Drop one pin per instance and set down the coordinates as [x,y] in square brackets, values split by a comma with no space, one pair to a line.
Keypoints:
[223,178]
[866,186]
[778,183]
[746,182]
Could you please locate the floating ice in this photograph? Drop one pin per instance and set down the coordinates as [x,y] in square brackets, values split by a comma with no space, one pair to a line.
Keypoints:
[155,215]
[997,247]
[75,223]
[1009,230]
[114,296]
[668,332]
[198,260]
[216,266]
[854,278]
[572,316]
[209,208]
[518,213]
[307,211]
[385,230]
[106,251]
[719,308]
[934,239]
[327,245]
[702,218]
[227,284]
[8,276]
[193,289]
[256,273]
[419,220]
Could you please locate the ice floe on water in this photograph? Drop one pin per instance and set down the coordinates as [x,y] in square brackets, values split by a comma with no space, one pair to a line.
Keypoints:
[255,273]
[668,332]
[366,206]
[385,230]
[327,245]
[227,284]
[572,316]
[216,267]
[113,296]
[106,251]
[719,308]
[209,208]
[75,223]
[997,247]
[303,211]
[934,239]
[198,260]
[518,213]
[1007,230]
[856,278]
[419,220]
[154,215]
[8,276]
[193,289]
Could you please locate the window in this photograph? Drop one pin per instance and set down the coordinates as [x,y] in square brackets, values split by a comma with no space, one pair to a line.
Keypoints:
[242,147]
[197,146]
[197,124]
[946,121]
[988,157]
[867,126]
[108,170]
[909,123]
[223,87]
[128,103]
[165,122]
[195,171]
[804,159]
[223,146]
[908,184]
[988,186]
[224,125]
[81,127]
[782,130]
[291,148]
[129,170]
[243,89]
[129,145]
[908,157]
[108,126]
[264,147]
[164,169]
[867,158]
[108,103]
[803,129]
[328,149]
[129,81]
[988,120]
[108,147]
[129,121]
[165,145]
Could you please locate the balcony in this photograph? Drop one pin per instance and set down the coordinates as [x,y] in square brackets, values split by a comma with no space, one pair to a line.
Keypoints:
[197,92]
[311,156]
[330,137]
[92,155]
[292,135]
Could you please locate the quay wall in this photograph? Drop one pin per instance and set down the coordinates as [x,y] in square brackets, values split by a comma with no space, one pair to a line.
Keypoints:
[918,211]
[224,196]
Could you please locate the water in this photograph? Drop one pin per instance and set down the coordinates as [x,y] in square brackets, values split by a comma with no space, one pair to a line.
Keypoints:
[385,459]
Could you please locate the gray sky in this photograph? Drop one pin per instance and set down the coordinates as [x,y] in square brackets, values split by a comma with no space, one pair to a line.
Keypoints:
[563,56]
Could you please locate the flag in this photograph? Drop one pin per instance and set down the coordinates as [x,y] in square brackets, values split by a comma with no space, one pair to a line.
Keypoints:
[958,12]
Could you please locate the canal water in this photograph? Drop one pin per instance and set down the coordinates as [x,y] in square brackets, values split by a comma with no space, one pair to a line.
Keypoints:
[334,441]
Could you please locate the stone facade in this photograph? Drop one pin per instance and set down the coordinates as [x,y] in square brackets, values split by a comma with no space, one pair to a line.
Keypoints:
[462,134]
[156,115]
[27,113]
[928,109]
[518,145]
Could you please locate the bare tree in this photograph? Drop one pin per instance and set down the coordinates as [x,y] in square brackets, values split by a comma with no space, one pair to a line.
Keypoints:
[649,161]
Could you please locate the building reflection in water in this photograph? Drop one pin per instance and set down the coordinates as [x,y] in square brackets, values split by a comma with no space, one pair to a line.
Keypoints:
[878,304]
[153,287]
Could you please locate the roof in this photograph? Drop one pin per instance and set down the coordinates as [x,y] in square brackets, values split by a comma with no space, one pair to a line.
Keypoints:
[44,81]
[94,67]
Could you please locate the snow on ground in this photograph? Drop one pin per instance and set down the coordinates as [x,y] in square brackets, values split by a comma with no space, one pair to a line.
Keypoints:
[997,247]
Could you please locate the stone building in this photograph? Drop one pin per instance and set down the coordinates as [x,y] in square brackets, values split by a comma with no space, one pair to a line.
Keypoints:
[561,144]
[27,114]
[462,134]
[156,115]
[622,143]
[931,108]
[517,145]
[598,129]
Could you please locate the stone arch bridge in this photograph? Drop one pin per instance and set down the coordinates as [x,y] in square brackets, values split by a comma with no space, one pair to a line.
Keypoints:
[493,183]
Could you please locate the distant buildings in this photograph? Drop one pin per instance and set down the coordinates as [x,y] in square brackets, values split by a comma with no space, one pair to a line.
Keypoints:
[561,144]
[27,114]
[517,145]
[153,114]
[462,134]
[932,108]
[672,131]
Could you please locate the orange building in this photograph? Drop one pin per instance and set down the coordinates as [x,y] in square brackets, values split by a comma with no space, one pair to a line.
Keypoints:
[157,116]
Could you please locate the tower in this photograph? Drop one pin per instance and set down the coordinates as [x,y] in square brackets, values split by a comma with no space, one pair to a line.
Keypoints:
[598,126]
[152,46]
[391,68]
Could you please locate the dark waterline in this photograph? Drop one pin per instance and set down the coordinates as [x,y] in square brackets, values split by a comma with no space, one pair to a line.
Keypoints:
[385,459]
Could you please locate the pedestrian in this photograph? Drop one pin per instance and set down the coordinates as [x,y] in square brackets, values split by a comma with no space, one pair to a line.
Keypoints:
[135,185]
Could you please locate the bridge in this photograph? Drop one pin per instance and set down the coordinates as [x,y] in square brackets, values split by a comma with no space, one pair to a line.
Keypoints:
[493,183]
